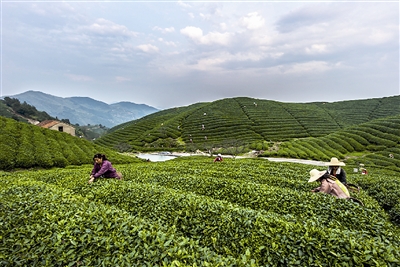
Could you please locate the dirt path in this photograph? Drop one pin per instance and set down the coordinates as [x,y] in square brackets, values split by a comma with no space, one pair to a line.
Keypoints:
[302,161]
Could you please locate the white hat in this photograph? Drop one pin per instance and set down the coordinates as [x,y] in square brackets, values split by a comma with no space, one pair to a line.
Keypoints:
[315,175]
[219,155]
[335,162]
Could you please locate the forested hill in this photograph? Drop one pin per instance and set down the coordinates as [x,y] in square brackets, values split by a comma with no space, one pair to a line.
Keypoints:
[246,121]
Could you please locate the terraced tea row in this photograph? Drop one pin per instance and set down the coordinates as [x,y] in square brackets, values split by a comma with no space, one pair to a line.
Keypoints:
[45,225]
[25,146]
[251,120]
[379,140]
[245,212]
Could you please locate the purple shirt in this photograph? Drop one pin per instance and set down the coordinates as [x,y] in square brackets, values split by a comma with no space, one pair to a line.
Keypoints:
[106,170]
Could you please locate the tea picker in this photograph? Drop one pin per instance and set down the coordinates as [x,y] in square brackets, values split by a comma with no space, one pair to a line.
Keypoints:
[329,184]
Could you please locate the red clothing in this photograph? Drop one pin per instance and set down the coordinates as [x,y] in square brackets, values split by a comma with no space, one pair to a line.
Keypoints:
[218,159]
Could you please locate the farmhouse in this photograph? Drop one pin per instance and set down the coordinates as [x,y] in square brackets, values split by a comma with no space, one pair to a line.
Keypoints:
[58,126]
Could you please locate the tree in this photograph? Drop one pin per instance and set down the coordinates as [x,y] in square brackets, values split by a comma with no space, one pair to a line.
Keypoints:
[123,147]
[65,121]
[234,147]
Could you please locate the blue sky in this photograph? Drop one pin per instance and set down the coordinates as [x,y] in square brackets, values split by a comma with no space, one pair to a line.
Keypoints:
[175,53]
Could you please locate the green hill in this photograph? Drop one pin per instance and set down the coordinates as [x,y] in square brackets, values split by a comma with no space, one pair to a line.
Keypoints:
[376,142]
[246,119]
[24,145]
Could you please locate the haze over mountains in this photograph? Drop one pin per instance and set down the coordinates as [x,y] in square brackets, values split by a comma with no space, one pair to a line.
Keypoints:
[85,110]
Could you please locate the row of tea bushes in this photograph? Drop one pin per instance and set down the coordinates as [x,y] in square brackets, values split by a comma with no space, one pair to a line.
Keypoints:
[28,146]
[382,185]
[248,210]
[46,225]
[377,139]
[231,229]
[249,120]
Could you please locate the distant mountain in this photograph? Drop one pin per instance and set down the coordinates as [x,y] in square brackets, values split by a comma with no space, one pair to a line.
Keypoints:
[85,110]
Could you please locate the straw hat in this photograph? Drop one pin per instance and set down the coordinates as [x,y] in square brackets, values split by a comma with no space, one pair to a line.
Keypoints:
[315,175]
[219,155]
[335,162]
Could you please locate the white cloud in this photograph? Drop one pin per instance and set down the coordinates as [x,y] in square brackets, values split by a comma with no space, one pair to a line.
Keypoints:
[148,48]
[106,27]
[205,16]
[182,4]
[164,30]
[310,67]
[169,43]
[120,79]
[79,78]
[252,21]
[193,33]
[223,26]
[379,36]
[196,34]
[316,49]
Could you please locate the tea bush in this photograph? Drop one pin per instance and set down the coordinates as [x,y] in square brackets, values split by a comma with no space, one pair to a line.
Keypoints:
[193,212]
[29,146]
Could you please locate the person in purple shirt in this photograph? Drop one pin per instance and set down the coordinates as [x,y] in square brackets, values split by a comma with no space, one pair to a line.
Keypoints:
[103,169]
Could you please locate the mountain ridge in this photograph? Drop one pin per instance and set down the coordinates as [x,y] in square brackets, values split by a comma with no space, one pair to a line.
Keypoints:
[85,110]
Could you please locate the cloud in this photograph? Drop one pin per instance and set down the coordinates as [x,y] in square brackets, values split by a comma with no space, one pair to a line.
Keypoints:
[280,47]
[184,5]
[311,67]
[252,21]
[105,27]
[196,35]
[306,16]
[148,48]
[205,16]
[169,43]
[164,30]
[120,79]
[316,49]
[79,78]
[223,26]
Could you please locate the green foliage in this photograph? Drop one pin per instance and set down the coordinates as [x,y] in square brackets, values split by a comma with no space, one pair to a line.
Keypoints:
[25,110]
[376,139]
[193,212]
[27,146]
[256,122]
[57,228]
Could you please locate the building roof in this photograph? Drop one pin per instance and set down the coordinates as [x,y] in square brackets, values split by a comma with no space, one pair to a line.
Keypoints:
[48,123]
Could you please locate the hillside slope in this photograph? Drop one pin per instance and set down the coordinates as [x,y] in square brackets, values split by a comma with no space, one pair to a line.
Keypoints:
[376,142]
[248,120]
[24,145]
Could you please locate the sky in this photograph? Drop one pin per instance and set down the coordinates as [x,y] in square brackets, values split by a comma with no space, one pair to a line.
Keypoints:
[176,53]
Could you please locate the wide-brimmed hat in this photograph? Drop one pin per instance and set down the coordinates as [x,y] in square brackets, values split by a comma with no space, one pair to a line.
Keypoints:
[335,162]
[315,175]
[219,155]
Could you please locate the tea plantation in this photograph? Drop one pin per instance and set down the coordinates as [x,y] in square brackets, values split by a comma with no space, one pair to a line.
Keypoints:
[25,146]
[192,212]
[256,123]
